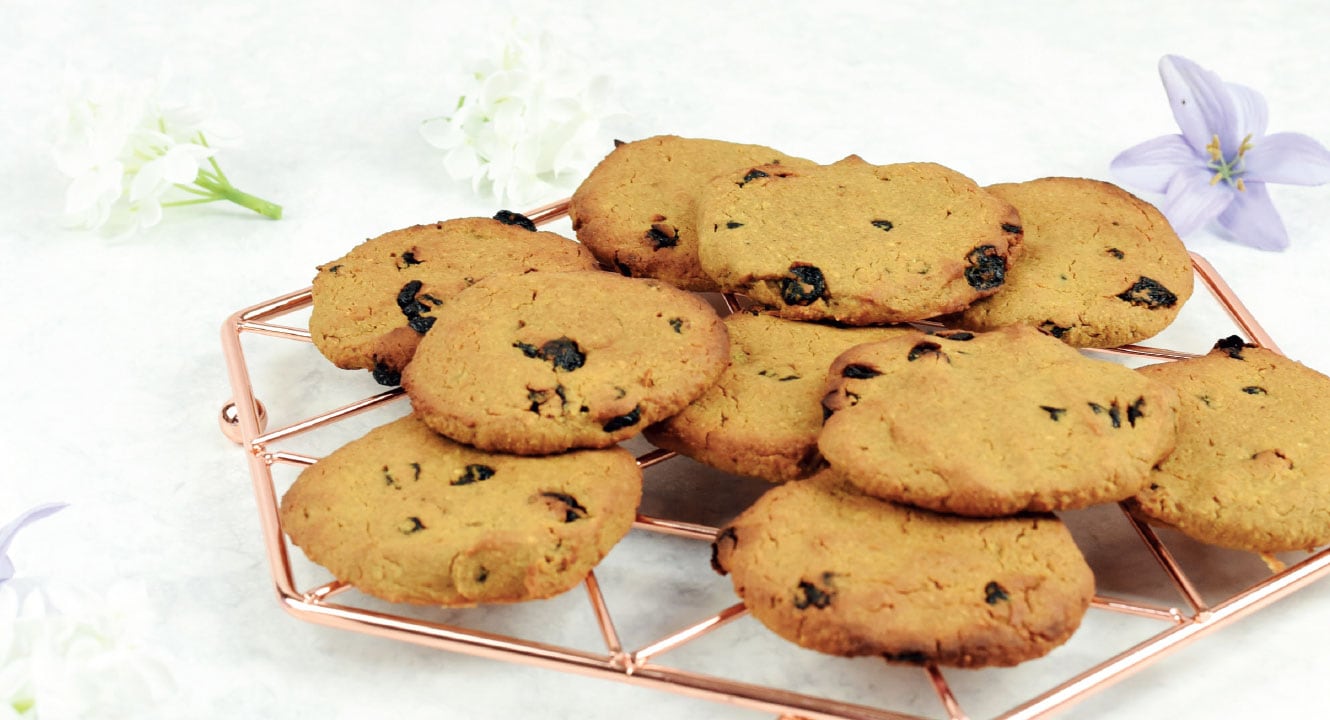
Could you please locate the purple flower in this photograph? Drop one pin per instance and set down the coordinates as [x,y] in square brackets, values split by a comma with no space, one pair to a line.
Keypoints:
[1219,165]
[8,532]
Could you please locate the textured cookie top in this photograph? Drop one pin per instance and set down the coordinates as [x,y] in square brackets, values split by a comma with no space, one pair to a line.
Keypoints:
[543,362]
[1100,267]
[833,570]
[637,209]
[855,242]
[994,423]
[1252,465]
[762,417]
[372,305]
[409,516]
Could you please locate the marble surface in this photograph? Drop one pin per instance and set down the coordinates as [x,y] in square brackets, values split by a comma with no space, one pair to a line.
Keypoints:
[112,374]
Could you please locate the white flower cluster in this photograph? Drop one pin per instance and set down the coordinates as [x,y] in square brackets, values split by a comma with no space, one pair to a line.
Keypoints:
[526,125]
[129,152]
[64,655]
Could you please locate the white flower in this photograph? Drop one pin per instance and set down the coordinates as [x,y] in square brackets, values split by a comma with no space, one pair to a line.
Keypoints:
[66,654]
[129,152]
[527,125]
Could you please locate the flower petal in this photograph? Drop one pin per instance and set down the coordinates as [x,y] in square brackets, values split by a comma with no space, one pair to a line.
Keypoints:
[8,532]
[1252,114]
[1252,219]
[1151,164]
[1190,201]
[1288,158]
[1202,104]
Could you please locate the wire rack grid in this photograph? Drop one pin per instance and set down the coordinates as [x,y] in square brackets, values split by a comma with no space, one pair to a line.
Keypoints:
[244,419]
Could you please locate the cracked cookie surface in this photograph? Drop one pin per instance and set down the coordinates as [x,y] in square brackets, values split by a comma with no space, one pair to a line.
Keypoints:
[988,424]
[407,515]
[1100,267]
[548,361]
[637,209]
[1252,466]
[372,305]
[854,242]
[762,418]
[834,570]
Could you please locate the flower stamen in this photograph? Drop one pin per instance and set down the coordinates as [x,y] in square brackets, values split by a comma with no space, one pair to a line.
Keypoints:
[1230,171]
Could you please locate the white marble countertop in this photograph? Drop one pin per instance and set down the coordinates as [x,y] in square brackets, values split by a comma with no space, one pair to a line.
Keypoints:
[112,373]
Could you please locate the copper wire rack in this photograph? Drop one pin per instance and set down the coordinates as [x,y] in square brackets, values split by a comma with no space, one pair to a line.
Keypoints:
[244,420]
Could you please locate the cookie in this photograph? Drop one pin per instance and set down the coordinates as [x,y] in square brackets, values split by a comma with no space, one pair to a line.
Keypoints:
[372,305]
[761,419]
[834,570]
[637,209]
[1252,465]
[409,516]
[855,242]
[544,362]
[988,424]
[1100,267]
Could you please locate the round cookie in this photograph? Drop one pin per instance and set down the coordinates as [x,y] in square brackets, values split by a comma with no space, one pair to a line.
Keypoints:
[762,418]
[1100,267]
[834,570]
[372,305]
[409,516]
[1252,465]
[544,362]
[637,209]
[856,243]
[988,424]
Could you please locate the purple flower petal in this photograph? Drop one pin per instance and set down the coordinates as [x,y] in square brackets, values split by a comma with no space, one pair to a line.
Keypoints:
[8,532]
[1288,158]
[1253,220]
[1190,201]
[1252,114]
[1202,104]
[1153,163]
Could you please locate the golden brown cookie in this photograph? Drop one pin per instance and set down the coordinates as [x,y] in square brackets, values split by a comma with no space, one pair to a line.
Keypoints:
[540,363]
[409,516]
[637,209]
[762,417]
[834,570]
[1252,466]
[989,424]
[372,305]
[854,242]
[1100,268]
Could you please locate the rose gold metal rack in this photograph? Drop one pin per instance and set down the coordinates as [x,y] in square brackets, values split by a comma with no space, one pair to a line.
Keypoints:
[244,421]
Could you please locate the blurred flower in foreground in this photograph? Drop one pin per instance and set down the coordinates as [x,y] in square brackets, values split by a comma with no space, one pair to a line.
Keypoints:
[526,125]
[1219,165]
[8,532]
[79,655]
[130,153]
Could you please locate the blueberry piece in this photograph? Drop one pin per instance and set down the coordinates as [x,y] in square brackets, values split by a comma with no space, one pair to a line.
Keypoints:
[662,236]
[474,473]
[994,593]
[1233,345]
[564,353]
[926,348]
[677,324]
[752,175]
[415,526]
[1255,390]
[1116,253]
[420,323]
[883,225]
[859,372]
[1055,413]
[1148,293]
[806,286]
[507,217]
[620,422]
[957,335]
[406,297]
[732,225]
[810,595]
[1014,229]
[1048,327]
[728,534]
[572,510]
[385,375]
[1134,411]
[409,258]
[986,268]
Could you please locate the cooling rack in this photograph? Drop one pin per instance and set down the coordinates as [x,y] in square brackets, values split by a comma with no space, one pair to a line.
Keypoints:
[244,420]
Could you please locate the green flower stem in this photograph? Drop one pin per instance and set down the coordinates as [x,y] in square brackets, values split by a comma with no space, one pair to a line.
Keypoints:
[219,188]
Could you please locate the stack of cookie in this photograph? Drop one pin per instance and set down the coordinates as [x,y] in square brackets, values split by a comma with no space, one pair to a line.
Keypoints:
[525,364]
[920,470]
